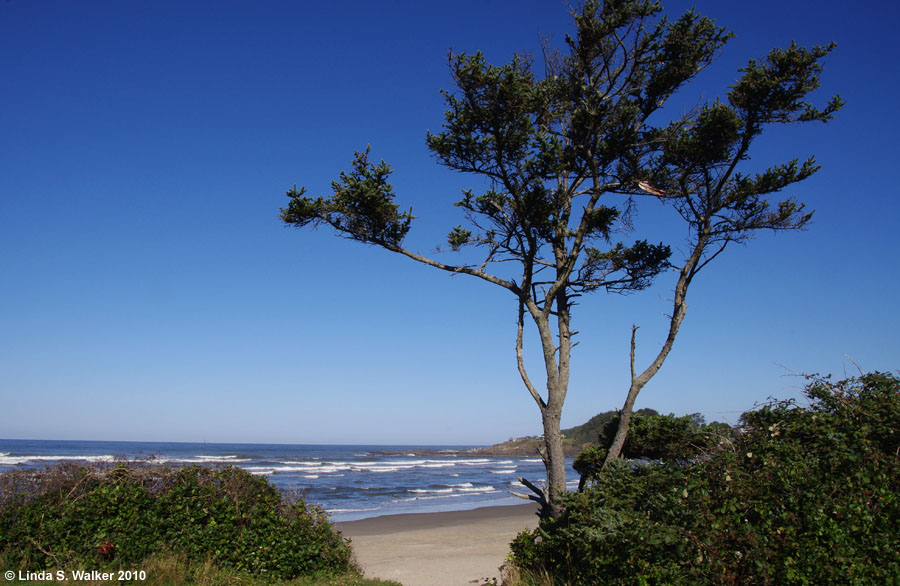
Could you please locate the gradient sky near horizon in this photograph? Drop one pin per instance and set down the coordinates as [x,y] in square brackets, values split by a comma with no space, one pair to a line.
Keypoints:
[148,290]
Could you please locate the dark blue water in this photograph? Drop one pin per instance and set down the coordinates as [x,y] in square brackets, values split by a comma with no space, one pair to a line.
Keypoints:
[350,482]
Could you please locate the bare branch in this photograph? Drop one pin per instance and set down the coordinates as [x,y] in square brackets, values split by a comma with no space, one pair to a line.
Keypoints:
[520,359]
[634,329]
[711,257]
[529,497]
[453,269]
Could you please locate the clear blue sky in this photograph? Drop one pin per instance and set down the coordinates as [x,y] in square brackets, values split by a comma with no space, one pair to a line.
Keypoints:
[148,290]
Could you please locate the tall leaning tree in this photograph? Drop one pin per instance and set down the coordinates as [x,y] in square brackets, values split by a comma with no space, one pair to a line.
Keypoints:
[567,155]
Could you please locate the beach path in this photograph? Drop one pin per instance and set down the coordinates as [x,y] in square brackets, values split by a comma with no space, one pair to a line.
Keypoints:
[457,548]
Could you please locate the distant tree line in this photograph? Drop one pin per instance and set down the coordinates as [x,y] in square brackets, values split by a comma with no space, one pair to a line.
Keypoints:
[587,433]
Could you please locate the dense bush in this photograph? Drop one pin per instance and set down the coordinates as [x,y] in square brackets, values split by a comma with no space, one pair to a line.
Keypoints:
[802,496]
[652,436]
[116,517]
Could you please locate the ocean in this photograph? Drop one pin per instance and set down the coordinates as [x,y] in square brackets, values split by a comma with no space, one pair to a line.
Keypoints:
[348,482]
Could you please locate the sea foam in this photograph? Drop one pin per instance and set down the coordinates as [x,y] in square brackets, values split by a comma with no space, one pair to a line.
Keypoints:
[7,460]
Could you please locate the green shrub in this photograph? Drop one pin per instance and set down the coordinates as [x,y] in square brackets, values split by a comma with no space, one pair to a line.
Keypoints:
[802,496]
[75,516]
[652,436]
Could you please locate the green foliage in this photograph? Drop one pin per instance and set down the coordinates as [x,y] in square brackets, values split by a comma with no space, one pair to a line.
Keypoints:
[542,141]
[660,437]
[732,207]
[70,516]
[588,432]
[653,437]
[639,264]
[566,152]
[362,207]
[458,237]
[802,496]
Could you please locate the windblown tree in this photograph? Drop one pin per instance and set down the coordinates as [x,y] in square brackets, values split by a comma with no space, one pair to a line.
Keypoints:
[567,156]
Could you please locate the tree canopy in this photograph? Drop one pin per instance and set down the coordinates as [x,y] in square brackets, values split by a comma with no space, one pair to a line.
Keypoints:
[567,154]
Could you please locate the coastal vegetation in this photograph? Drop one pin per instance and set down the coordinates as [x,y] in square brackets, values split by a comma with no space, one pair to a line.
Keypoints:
[800,494]
[566,152]
[199,524]
[651,435]
[588,432]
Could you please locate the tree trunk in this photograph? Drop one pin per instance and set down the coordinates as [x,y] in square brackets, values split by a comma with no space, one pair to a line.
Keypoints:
[554,461]
[624,421]
[551,410]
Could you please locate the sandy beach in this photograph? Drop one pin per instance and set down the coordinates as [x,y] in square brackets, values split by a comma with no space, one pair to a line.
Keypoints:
[438,549]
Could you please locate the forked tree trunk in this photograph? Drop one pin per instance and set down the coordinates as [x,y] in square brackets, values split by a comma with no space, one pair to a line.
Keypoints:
[556,364]
[552,452]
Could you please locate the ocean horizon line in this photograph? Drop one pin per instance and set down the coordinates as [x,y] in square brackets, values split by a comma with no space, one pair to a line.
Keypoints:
[256,443]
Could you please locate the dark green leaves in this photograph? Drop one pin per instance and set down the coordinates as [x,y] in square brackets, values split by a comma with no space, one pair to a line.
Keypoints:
[800,495]
[302,210]
[622,268]
[690,44]
[493,125]
[600,221]
[712,138]
[662,437]
[699,163]
[498,125]
[225,516]
[362,207]
[775,90]
[772,180]
[458,237]
[552,147]
[580,131]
